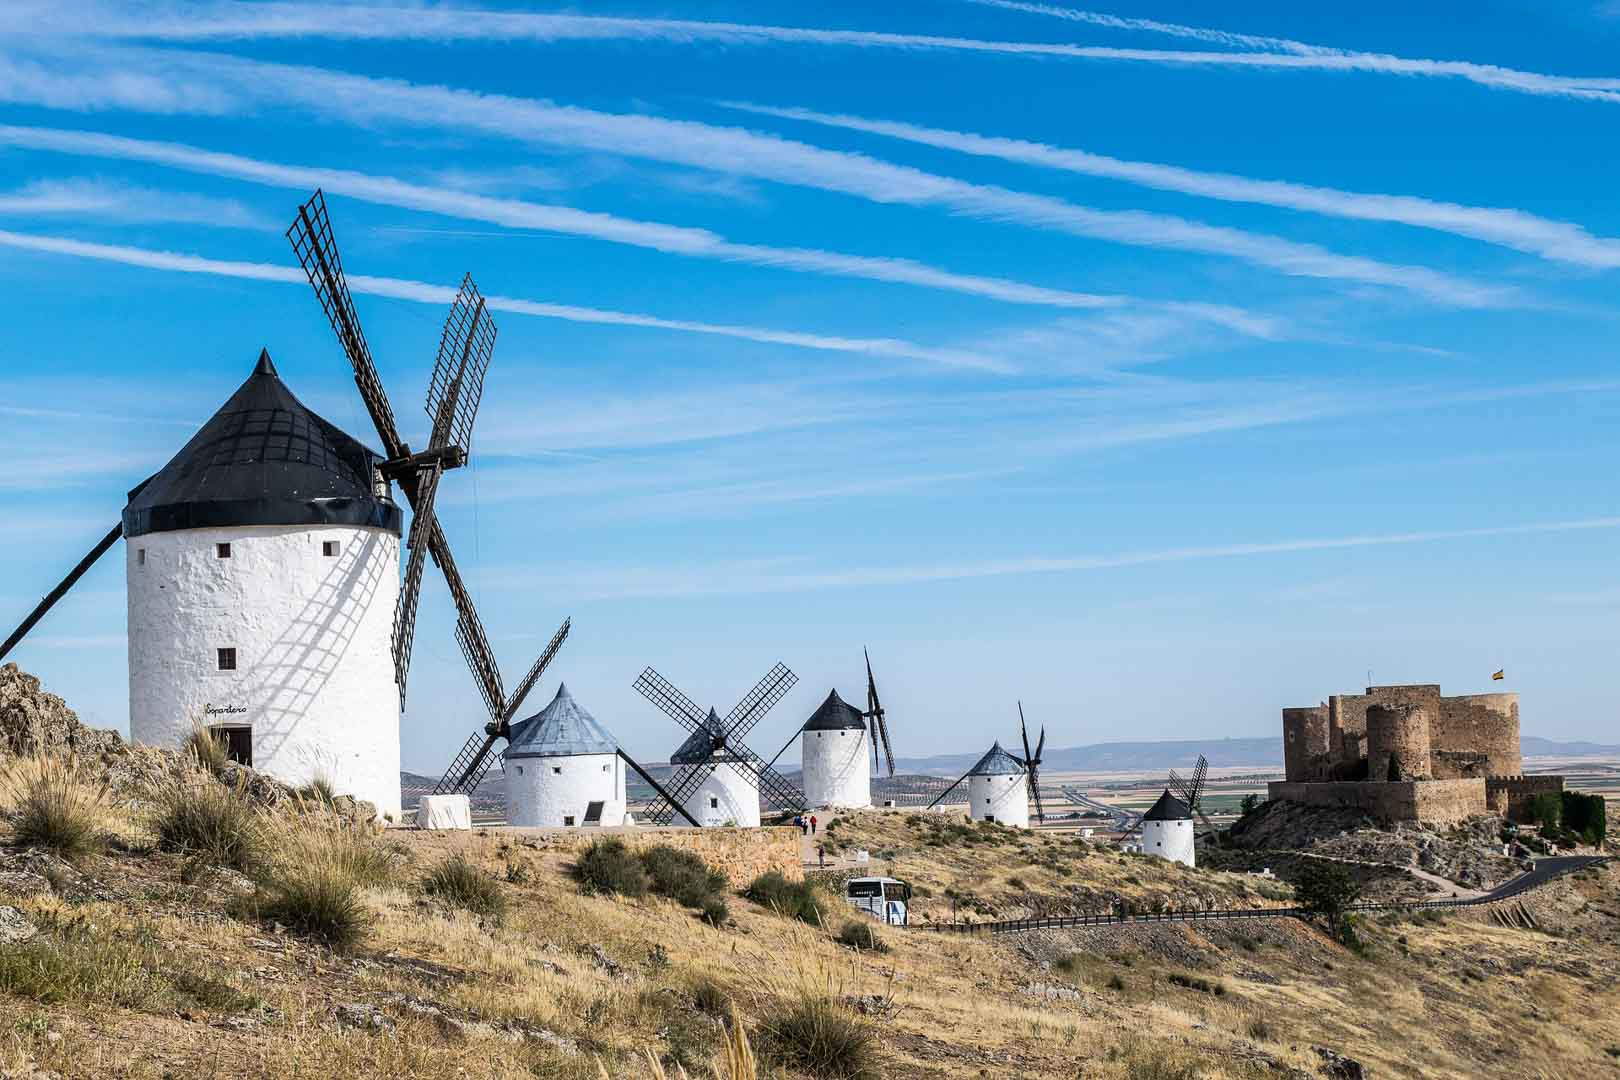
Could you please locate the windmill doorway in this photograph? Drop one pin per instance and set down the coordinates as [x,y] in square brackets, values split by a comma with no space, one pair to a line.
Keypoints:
[238,743]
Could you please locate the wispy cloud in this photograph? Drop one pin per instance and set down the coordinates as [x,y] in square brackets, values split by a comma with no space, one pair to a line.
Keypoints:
[216,22]
[113,201]
[423,292]
[520,214]
[365,100]
[790,574]
[1560,241]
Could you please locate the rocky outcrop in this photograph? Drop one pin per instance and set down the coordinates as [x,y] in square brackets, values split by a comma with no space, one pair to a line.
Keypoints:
[34,721]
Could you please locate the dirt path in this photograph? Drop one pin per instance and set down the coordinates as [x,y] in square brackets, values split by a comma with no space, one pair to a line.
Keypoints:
[810,841]
[1445,889]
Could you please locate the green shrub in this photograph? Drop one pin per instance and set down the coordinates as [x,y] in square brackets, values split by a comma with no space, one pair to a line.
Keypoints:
[608,868]
[858,934]
[1326,889]
[800,900]
[52,805]
[821,1036]
[681,875]
[461,884]
[1115,982]
[210,822]
[1546,809]
[714,910]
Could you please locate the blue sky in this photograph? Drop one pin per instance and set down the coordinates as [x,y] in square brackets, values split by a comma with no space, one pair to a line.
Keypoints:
[1157,365]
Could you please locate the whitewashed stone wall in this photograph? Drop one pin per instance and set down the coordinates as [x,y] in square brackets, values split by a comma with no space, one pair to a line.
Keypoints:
[543,791]
[1171,840]
[727,797]
[835,767]
[313,638]
[1004,798]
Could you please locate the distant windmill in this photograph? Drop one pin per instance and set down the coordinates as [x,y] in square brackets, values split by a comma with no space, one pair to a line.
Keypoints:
[989,794]
[455,391]
[1032,762]
[874,717]
[1191,792]
[714,762]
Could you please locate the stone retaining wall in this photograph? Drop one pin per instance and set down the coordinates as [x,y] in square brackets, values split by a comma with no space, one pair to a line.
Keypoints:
[740,854]
[1441,801]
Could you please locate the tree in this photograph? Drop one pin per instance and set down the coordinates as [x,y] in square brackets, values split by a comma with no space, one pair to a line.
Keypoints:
[1250,804]
[1585,816]
[1545,810]
[1326,890]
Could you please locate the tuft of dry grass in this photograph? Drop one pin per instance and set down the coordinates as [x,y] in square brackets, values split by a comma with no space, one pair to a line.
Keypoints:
[206,748]
[807,1024]
[461,884]
[201,818]
[51,803]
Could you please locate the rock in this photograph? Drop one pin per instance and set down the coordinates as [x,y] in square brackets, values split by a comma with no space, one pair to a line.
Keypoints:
[357,1014]
[1051,992]
[14,926]
[23,883]
[613,968]
[34,721]
[1338,1067]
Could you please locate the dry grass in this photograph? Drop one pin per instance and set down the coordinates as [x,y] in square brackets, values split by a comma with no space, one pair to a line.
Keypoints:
[53,804]
[580,968]
[205,820]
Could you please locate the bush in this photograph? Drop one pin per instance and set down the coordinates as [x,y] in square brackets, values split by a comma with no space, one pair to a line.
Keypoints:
[858,934]
[1115,982]
[315,900]
[80,963]
[710,998]
[681,875]
[1198,983]
[210,822]
[355,853]
[461,884]
[714,910]
[820,1035]
[1546,809]
[800,900]
[51,805]
[608,868]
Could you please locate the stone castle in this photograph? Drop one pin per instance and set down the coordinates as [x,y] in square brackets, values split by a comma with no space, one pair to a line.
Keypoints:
[1407,753]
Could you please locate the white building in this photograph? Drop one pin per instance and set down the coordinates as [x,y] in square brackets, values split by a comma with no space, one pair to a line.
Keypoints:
[998,789]
[835,748]
[729,794]
[263,572]
[1167,830]
[563,769]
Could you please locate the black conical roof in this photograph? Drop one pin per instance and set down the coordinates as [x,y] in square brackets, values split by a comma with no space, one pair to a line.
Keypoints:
[835,714]
[1168,808]
[263,459]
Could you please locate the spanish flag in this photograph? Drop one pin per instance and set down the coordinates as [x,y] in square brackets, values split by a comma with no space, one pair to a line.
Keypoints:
[1499,675]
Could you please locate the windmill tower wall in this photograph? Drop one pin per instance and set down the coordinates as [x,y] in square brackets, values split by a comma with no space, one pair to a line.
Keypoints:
[309,612]
[1003,798]
[835,769]
[556,791]
[1171,839]
[727,797]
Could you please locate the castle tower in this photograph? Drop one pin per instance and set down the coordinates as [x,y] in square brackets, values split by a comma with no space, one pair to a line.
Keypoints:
[998,789]
[563,769]
[1398,742]
[729,795]
[263,571]
[1306,743]
[1167,831]
[835,750]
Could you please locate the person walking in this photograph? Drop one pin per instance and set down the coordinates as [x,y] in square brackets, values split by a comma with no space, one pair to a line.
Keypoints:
[821,854]
[812,824]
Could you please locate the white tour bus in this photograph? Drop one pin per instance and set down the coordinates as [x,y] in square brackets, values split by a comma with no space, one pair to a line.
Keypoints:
[884,898]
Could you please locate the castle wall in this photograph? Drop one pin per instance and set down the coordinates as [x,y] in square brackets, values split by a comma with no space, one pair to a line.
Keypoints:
[1398,742]
[1510,795]
[1484,724]
[1437,801]
[1306,743]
